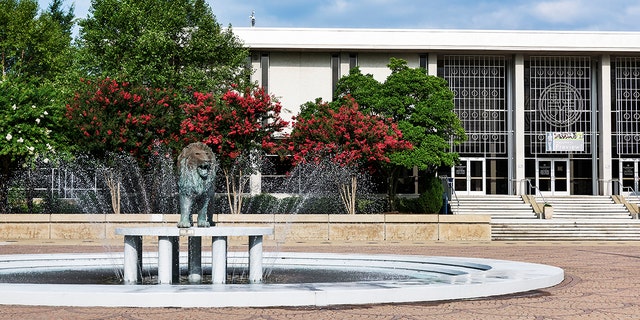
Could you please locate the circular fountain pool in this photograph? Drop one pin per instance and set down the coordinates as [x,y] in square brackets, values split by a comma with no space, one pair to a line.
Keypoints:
[291,279]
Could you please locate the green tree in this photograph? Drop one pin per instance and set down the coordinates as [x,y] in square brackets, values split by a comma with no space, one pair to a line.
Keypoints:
[31,44]
[31,128]
[64,19]
[421,105]
[34,53]
[161,44]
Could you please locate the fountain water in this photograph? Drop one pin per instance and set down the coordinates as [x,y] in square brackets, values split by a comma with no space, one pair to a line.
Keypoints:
[295,279]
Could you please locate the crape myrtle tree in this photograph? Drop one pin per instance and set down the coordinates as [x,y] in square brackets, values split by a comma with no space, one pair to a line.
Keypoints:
[107,117]
[161,44]
[421,105]
[349,137]
[238,126]
[35,48]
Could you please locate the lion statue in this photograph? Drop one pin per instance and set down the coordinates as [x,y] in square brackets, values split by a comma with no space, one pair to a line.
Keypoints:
[197,168]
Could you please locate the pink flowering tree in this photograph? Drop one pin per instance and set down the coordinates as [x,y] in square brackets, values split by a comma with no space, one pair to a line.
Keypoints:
[348,137]
[238,126]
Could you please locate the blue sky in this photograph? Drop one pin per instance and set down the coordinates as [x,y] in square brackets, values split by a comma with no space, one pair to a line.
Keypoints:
[600,15]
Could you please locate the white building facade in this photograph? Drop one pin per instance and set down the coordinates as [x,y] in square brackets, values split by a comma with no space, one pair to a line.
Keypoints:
[556,110]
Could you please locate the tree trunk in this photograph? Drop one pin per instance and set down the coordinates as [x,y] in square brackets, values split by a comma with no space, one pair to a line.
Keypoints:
[348,195]
[113,183]
[392,188]
[235,186]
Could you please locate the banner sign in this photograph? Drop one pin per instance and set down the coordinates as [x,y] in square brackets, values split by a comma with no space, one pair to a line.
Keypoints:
[565,141]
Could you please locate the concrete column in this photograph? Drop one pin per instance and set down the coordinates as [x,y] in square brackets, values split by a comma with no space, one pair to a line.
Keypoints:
[255,259]
[132,259]
[518,125]
[195,259]
[219,256]
[604,141]
[432,64]
[255,184]
[165,260]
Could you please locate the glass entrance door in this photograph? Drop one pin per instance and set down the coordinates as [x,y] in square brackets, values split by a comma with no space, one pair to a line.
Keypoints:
[629,176]
[469,177]
[552,176]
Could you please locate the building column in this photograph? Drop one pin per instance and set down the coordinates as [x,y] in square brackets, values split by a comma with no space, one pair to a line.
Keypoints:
[518,126]
[432,64]
[604,122]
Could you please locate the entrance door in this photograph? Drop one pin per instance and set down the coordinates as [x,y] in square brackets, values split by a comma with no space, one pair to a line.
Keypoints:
[629,176]
[552,176]
[469,177]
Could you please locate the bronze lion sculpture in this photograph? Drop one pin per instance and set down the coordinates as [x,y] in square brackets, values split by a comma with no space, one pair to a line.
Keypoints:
[197,169]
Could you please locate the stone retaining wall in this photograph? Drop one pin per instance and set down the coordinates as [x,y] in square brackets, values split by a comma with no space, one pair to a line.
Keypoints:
[307,227]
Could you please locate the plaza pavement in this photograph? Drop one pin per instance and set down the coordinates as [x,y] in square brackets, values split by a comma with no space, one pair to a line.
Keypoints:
[602,281]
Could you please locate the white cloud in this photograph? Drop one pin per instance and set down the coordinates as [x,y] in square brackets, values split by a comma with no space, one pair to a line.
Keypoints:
[562,11]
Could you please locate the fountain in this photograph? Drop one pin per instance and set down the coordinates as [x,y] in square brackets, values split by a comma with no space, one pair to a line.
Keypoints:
[295,279]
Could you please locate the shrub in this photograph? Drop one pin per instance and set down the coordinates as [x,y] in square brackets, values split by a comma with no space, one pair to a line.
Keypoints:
[430,201]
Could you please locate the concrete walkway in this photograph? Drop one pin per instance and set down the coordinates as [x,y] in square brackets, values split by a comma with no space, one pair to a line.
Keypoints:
[602,282]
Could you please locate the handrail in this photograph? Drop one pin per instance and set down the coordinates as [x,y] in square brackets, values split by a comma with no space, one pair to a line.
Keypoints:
[631,191]
[528,181]
[453,193]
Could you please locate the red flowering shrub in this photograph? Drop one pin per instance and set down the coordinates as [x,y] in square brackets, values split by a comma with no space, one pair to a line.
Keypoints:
[233,124]
[347,136]
[116,116]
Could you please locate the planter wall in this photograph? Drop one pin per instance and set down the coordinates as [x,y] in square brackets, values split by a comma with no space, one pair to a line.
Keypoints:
[287,228]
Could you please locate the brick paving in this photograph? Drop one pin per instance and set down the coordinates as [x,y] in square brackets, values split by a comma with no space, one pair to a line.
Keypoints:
[602,281]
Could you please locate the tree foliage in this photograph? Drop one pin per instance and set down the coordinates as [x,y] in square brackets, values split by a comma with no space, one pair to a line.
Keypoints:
[31,119]
[348,136]
[161,44]
[421,105]
[32,44]
[107,115]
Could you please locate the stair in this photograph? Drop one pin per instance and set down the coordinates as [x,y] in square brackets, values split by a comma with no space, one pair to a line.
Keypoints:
[587,207]
[498,206]
[563,230]
[575,218]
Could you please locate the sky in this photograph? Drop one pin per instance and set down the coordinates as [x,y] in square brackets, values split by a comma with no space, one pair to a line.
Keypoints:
[575,15]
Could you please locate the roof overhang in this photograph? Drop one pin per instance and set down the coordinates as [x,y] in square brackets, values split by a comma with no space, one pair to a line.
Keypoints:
[303,39]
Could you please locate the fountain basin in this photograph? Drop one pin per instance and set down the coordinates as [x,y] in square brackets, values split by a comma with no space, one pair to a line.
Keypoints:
[410,279]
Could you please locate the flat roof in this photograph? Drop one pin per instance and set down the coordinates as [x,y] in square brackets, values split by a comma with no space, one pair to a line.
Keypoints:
[438,40]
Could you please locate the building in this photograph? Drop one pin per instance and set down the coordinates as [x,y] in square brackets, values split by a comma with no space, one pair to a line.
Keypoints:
[556,110]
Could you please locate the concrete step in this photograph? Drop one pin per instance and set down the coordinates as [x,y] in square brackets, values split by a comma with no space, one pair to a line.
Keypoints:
[503,206]
[602,229]
[587,207]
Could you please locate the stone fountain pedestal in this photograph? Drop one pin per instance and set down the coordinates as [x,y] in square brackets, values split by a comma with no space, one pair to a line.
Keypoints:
[169,252]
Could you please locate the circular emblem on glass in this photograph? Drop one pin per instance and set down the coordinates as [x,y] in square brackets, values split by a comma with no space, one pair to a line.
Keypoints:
[560,104]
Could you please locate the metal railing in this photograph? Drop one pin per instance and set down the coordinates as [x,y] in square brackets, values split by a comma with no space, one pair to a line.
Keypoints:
[532,187]
[450,193]
[623,190]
